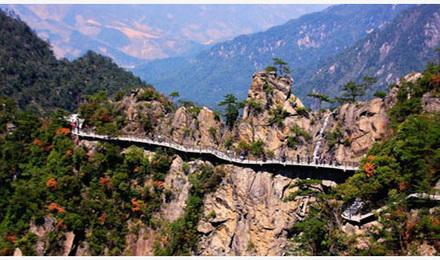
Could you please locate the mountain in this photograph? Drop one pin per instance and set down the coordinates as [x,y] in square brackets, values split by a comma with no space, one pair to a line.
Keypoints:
[401,47]
[32,75]
[304,43]
[131,34]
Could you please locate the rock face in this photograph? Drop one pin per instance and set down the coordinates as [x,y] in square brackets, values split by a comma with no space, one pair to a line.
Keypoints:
[354,127]
[68,243]
[361,124]
[274,116]
[140,243]
[268,96]
[209,128]
[179,125]
[17,252]
[246,215]
[189,124]
[431,103]
[177,182]
[42,234]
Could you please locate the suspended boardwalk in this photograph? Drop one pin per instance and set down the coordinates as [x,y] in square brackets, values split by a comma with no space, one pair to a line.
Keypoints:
[364,218]
[228,157]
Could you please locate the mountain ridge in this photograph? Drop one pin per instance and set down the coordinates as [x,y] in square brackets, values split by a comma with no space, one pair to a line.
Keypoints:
[303,42]
[401,47]
[131,34]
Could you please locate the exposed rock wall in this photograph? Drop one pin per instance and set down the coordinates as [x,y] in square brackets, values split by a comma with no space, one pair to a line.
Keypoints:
[246,215]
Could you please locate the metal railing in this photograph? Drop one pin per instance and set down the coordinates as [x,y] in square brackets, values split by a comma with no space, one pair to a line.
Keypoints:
[226,156]
[359,218]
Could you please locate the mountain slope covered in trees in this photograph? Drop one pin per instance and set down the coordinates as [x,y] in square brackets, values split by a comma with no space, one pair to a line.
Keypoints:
[31,74]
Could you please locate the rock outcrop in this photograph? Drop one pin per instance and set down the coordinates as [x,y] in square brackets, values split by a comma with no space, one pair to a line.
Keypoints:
[247,214]
[177,183]
[361,125]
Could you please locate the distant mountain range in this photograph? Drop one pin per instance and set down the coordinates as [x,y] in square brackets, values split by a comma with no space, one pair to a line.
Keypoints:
[131,34]
[402,46]
[324,50]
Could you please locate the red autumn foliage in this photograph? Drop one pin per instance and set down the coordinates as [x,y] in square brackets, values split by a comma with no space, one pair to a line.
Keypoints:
[403,186]
[69,152]
[371,158]
[54,207]
[159,184]
[62,131]
[135,205]
[11,238]
[52,183]
[410,224]
[435,80]
[105,181]
[435,221]
[60,224]
[369,169]
[37,142]
[102,218]
[399,212]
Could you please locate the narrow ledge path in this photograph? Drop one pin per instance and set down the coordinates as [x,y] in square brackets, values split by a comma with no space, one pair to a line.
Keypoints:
[220,155]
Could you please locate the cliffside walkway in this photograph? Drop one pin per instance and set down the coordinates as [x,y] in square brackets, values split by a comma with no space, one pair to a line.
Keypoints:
[364,218]
[228,157]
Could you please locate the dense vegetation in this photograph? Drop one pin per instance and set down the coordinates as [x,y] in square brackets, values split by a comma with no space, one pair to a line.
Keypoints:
[408,162]
[93,192]
[30,73]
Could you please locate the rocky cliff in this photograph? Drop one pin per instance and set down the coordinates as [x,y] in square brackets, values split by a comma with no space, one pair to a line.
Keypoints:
[247,212]
[273,116]
[250,212]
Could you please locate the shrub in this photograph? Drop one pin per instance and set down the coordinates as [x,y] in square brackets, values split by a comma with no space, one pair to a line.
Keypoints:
[298,131]
[334,137]
[257,148]
[270,69]
[302,111]
[255,105]
[278,115]
[213,132]
[148,94]
[380,94]
[267,88]
[228,142]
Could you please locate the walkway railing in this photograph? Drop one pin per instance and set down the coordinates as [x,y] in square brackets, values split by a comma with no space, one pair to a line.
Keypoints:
[226,156]
[359,218]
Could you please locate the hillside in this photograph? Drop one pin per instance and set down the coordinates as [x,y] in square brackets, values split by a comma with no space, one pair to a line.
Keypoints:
[65,196]
[131,34]
[304,43]
[401,47]
[32,75]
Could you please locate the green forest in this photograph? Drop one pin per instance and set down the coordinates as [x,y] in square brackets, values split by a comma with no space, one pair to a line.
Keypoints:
[37,80]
